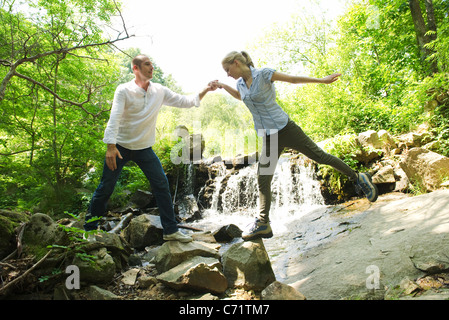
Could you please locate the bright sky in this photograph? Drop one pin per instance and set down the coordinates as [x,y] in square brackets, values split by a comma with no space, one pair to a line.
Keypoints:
[189,38]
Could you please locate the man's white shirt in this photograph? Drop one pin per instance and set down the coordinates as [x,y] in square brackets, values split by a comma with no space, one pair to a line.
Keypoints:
[132,123]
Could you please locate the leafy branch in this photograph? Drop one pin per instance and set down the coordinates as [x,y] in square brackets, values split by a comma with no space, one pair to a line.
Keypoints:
[25,48]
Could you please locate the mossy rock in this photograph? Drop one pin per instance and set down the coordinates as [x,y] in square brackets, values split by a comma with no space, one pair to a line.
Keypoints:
[9,221]
[99,270]
[41,232]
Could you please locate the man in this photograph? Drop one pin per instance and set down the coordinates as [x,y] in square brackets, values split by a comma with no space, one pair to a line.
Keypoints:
[129,135]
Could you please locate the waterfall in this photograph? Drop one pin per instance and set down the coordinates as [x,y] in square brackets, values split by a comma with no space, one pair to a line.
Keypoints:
[298,212]
[221,174]
[241,193]
[235,199]
[188,181]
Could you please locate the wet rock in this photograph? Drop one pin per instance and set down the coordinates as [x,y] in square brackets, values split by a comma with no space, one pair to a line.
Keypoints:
[143,199]
[247,265]
[187,208]
[227,233]
[240,162]
[173,253]
[281,291]
[199,274]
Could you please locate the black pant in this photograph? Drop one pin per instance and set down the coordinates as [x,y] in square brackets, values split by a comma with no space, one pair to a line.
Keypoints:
[291,136]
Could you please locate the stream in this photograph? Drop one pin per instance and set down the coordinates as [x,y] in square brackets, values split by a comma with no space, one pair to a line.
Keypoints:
[299,218]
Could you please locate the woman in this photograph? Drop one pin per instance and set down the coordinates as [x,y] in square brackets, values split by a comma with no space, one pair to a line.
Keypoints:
[256,89]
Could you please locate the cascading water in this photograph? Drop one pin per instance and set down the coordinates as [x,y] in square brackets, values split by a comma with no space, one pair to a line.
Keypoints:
[299,217]
[295,192]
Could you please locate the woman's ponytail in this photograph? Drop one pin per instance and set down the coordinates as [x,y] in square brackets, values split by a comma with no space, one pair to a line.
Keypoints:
[249,61]
[242,56]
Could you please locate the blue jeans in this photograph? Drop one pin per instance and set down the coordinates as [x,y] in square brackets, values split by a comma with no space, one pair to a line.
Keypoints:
[149,163]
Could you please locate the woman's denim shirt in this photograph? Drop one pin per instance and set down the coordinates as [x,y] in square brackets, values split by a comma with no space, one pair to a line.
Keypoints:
[260,99]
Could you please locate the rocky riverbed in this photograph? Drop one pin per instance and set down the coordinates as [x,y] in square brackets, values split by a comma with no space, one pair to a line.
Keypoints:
[395,248]
[391,249]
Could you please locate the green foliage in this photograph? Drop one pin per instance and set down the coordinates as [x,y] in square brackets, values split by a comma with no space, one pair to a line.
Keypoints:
[78,240]
[55,107]
[226,125]
[385,82]
[345,147]
[58,80]
[374,47]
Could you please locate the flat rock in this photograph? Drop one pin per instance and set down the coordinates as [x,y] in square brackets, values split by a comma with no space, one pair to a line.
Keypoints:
[198,273]
[400,239]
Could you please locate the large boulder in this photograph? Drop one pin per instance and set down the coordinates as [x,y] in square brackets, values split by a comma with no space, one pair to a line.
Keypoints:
[42,231]
[371,146]
[426,168]
[247,265]
[9,222]
[198,273]
[100,269]
[144,230]
[172,253]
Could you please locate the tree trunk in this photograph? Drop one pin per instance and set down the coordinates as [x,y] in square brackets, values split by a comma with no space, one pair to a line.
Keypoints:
[431,23]
[421,30]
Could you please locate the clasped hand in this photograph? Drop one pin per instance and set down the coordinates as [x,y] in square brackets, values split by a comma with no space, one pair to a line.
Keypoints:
[214,85]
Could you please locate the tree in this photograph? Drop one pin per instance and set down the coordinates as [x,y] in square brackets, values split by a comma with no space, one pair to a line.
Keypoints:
[384,75]
[425,33]
[54,28]
[58,74]
[298,44]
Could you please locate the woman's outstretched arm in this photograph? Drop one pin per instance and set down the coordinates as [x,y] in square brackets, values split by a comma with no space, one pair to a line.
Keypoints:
[277,76]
